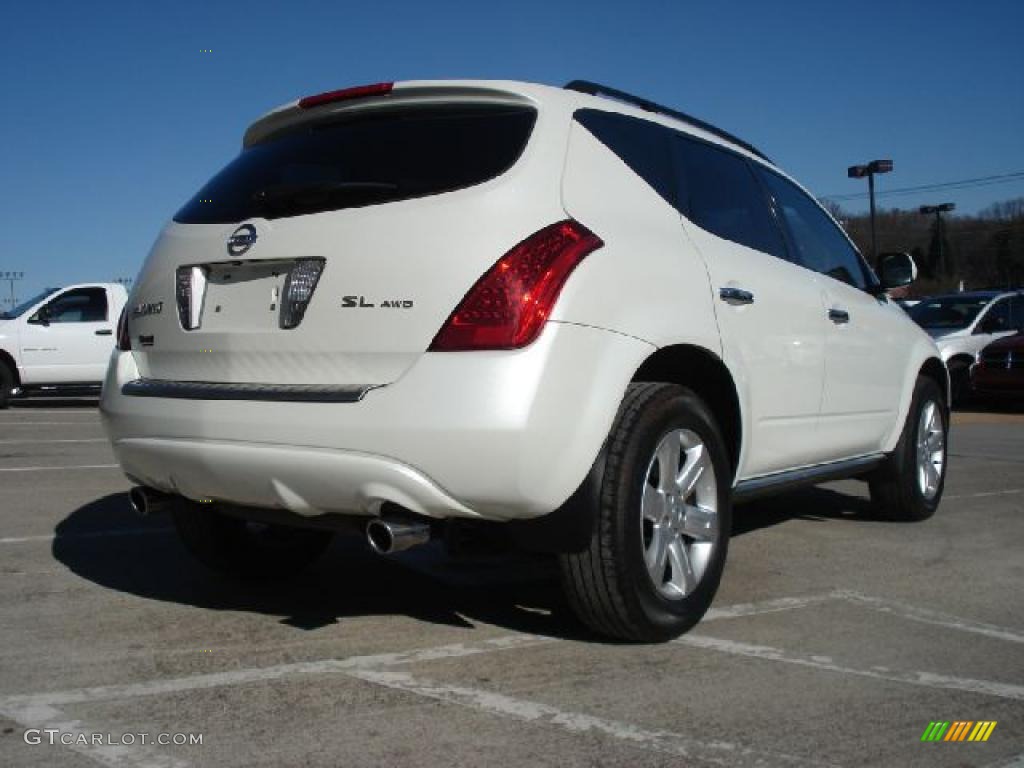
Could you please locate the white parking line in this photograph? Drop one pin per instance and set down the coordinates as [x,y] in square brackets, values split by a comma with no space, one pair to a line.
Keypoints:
[927,616]
[89,535]
[740,610]
[59,468]
[925,679]
[50,423]
[665,742]
[47,442]
[40,710]
[1007,492]
[114,755]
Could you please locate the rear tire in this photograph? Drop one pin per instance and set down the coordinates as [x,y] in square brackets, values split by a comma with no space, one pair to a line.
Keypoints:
[908,487]
[660,536]
[240,549]
[6,385]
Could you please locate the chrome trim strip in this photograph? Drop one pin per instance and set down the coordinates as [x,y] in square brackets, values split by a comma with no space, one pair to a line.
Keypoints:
[746,490]
[278,393]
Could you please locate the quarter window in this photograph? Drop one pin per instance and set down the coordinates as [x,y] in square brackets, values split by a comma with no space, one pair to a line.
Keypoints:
[81,305]
[640,144]
[819,243]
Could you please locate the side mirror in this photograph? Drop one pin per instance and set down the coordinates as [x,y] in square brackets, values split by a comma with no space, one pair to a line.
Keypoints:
[41,317]
[896,270]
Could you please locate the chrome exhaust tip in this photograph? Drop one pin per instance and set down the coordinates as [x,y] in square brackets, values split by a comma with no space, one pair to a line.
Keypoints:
[146,501]
[386,537]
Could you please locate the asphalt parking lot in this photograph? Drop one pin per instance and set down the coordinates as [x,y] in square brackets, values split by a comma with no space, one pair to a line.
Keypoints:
[835,639]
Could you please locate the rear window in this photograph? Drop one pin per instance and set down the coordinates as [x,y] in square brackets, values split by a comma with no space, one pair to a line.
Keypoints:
[373,158]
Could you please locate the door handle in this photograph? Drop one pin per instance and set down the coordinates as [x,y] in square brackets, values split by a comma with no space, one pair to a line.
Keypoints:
[839,316]
[735,296]
[104,332]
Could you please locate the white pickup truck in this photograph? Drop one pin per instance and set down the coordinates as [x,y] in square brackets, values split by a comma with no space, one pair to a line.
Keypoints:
[60,341]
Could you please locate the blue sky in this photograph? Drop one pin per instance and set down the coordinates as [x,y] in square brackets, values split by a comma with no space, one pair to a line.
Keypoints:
[113,116]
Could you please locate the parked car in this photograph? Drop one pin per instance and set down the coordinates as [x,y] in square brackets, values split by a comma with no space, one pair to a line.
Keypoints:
[60,341]
[587,317]
[999,372]
[963,323]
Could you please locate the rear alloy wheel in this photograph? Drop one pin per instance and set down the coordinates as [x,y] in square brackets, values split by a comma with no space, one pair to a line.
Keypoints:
[662,526]
[245,549]
[909,485]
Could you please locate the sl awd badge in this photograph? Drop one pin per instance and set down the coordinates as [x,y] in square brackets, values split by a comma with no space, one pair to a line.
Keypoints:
[360,302]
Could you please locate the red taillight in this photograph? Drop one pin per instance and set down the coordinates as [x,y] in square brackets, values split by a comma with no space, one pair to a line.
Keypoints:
[124,341]
[508,306]
[346,94]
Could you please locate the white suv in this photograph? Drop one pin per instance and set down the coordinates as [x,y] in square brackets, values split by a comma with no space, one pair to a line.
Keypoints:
[59,343]
[571,311]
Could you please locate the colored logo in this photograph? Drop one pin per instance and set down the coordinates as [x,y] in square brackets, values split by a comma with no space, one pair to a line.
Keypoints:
[959,730]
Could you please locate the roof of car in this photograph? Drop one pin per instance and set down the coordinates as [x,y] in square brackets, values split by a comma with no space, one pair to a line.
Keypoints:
[969,295]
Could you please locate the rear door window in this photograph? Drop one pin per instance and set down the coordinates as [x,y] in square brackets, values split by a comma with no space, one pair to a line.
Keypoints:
[719,193]
[376,157]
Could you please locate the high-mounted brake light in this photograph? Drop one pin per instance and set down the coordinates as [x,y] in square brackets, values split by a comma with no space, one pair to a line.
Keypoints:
[124,340]
[346,94]
[508,306]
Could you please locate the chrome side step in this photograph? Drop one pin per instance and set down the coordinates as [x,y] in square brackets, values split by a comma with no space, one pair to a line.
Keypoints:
[756,487]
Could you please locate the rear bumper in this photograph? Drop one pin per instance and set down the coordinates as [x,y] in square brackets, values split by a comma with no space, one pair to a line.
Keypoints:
[495,435]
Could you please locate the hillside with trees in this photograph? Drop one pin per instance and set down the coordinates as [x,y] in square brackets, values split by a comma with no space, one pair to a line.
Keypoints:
[984,251]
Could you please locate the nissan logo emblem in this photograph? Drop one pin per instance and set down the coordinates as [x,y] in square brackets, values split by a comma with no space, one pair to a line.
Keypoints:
[241,240]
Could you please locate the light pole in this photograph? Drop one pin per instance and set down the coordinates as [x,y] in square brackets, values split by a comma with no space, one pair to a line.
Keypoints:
[12,278]
[938,210]
[869,170]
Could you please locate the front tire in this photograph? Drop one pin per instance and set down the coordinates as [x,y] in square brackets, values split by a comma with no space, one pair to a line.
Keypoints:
[908,487]
[241,549]
[661,532]
[6,385]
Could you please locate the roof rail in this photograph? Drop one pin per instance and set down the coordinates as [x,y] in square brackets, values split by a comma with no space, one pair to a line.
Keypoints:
[596,89]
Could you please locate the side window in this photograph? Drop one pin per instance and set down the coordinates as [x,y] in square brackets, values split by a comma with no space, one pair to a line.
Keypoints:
[1017,313]
[82,305]
[997,319]
[642,145]
[719,193]
[819,243]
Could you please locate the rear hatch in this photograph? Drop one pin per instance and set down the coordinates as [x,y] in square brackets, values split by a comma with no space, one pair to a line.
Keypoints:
[368,220]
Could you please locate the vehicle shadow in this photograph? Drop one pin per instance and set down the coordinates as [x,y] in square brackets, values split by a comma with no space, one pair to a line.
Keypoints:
[815,503]
[105,543]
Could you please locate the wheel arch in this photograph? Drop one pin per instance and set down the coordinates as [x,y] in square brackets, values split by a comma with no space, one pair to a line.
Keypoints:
[703,372]
[933,368]
[7,360]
